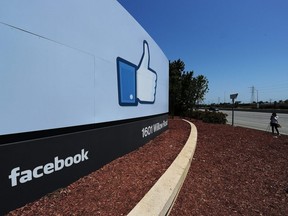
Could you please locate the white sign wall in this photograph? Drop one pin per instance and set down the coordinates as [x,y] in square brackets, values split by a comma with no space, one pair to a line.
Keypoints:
[69,63]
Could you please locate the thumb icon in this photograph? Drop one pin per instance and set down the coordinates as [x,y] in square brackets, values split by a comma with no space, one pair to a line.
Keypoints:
[146,78]
[144,63]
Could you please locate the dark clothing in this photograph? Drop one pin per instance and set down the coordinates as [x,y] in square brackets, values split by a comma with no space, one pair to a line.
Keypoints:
[274,123]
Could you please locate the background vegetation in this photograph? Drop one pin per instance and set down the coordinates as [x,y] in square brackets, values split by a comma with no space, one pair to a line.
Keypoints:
[185,90]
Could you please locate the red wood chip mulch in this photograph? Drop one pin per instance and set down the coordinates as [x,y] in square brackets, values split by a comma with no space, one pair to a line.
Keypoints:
[235,171]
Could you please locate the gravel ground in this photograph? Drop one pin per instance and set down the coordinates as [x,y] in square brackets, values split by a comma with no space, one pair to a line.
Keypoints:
[235,171]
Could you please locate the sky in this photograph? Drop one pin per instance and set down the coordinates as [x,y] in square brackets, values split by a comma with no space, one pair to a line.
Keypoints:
[240,46]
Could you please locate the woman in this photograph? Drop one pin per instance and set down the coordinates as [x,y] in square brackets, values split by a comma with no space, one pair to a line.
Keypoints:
[274,122]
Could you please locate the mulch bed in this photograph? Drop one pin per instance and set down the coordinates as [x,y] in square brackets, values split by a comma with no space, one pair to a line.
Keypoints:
[235,171]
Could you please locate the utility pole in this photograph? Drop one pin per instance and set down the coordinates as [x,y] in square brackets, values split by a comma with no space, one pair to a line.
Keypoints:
[257,100]
[252,94]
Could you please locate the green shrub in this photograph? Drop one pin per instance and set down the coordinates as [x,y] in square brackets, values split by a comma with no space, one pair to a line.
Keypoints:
[208,117]
[196,114]
[215,117]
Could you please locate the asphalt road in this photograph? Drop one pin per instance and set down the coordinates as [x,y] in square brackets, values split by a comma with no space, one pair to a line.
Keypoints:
[257,120]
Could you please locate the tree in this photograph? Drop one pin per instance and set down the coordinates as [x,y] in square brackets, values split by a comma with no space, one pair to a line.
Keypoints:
[200,85]
[185,91]
[176,69]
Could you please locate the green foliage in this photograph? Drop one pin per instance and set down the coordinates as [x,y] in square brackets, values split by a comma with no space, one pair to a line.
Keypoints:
[208,117]
[197,115]
[185,90]
[215,117]
[176,68]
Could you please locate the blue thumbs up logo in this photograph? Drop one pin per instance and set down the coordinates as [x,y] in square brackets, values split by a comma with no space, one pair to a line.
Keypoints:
[136,83]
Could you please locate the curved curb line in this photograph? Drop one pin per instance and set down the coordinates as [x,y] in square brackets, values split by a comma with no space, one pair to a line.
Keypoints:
[161,197]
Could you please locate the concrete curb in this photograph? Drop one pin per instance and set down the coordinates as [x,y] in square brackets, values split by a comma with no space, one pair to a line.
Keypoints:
[161,197]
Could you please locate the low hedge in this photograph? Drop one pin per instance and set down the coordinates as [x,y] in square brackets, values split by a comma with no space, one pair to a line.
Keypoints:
[208,117]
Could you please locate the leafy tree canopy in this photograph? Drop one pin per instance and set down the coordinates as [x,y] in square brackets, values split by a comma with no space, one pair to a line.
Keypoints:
[185,90]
